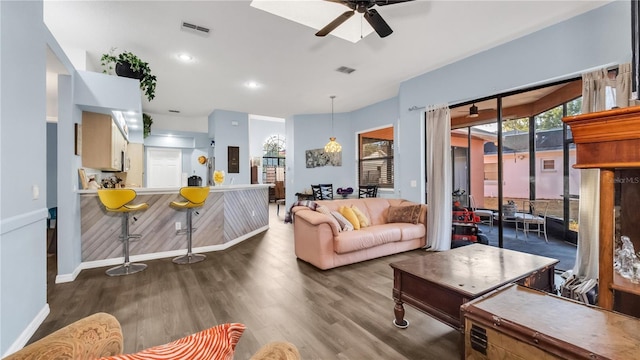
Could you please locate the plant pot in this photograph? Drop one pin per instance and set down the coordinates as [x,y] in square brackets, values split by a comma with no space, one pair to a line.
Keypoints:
[124,70]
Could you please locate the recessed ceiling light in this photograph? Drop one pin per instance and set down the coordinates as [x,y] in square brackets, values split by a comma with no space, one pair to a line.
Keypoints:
[133,126]
[252,85]
[185,57]
[131,112]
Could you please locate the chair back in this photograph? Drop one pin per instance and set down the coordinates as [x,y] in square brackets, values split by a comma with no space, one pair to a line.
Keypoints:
[195,194]
[536,207]
[368,191]
[279,190]
[114,199]
[322,191]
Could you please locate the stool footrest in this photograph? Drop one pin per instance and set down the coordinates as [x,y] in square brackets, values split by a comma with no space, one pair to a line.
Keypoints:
[189,259]
[126,269]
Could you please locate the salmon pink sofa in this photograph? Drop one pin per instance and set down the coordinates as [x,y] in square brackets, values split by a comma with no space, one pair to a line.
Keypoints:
[396,225]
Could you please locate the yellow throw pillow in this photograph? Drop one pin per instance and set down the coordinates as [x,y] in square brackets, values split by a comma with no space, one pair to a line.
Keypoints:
[351,216]
[362,218]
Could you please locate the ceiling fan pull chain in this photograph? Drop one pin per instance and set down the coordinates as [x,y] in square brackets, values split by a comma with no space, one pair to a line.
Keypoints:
[361,17]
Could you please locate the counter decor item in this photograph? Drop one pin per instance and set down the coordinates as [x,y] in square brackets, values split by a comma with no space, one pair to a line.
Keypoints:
[127,64]
[345,192]
[218,177]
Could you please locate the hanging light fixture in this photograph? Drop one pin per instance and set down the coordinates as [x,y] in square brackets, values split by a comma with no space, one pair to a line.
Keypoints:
[332,146]
[473,111]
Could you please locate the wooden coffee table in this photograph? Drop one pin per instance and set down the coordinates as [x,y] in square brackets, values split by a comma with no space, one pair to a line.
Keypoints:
[439,283]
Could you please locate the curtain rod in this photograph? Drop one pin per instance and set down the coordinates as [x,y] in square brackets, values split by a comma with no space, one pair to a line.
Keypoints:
[413,108]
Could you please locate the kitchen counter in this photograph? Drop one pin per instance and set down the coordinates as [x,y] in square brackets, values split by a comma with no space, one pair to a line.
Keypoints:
[231,214]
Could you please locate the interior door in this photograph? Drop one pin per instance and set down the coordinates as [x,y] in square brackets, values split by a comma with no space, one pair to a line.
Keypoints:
[164,167]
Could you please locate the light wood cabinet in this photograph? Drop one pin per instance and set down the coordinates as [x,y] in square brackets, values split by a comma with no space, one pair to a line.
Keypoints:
[610,141]
[135,165]
[103,145]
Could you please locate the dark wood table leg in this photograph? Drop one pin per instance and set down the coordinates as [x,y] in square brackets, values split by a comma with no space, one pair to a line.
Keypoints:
[398,310]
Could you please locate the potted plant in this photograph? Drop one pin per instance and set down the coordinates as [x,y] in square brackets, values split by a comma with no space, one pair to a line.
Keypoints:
[127,64]
[146,124]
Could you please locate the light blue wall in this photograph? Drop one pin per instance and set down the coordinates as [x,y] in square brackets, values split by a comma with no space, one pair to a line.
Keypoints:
[52,164]
[259,132]
[23,282]
[231,128]
[313,132]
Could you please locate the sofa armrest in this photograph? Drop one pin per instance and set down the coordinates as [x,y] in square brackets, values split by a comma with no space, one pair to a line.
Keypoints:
[315,218]
[277,350]
[92,337]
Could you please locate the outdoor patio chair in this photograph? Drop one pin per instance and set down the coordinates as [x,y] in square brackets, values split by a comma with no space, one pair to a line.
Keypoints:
[486,216]
[537,215]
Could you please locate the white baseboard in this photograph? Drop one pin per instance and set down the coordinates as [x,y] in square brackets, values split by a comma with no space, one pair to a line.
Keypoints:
[28,332]
[62,278]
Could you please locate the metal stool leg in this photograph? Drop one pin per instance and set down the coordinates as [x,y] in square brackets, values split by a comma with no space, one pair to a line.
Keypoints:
[190,257]
[128,267]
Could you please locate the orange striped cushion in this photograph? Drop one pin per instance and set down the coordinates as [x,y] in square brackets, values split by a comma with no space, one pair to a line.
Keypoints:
[218,342]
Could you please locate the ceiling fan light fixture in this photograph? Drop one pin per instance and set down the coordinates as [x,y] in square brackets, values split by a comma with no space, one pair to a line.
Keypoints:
[473,111]
[332,146]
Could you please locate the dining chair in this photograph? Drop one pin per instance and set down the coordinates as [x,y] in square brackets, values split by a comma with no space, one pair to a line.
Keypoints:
[367,191]
[536,215]
[322,191]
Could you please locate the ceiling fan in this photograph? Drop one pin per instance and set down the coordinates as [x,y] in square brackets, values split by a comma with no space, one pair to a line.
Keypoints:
[364,7]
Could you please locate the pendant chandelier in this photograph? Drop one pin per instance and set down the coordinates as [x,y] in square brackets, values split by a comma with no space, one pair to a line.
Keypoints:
[332,146]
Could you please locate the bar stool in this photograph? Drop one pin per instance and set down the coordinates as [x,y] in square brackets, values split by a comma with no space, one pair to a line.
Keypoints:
[117,200]
[195,197]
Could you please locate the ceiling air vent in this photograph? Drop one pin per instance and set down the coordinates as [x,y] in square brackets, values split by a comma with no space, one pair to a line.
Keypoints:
[174,111]
[200,30]
[345,70]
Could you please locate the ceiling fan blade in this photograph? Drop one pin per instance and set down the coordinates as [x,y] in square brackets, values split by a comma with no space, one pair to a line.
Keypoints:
[335,23]
[388,2]
[377,23]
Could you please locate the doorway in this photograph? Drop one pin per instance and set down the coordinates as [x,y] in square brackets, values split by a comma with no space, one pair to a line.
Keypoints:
[164,167]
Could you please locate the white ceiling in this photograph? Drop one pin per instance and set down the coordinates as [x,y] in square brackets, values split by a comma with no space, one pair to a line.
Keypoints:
[295,69]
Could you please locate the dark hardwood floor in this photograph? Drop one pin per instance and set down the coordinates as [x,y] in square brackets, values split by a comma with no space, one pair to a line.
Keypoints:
[343,313]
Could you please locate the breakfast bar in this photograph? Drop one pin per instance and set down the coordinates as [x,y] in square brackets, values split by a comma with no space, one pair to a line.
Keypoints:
[231,214]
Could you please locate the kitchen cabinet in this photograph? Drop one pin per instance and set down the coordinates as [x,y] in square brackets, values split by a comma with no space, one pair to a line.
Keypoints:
[103,145]
[134,163]
[610,141]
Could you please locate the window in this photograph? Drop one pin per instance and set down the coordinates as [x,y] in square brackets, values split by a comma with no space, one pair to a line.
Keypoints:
[491,171]
[273,160]
[548,165]
[375,158]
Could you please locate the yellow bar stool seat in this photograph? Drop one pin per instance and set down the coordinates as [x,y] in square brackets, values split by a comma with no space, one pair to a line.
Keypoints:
[195,197]
[118,200]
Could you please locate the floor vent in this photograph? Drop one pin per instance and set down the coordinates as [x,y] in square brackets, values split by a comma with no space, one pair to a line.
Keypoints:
[200,30]
[345,70]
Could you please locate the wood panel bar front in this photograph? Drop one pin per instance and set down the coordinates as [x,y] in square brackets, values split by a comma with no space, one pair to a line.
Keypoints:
[230,214]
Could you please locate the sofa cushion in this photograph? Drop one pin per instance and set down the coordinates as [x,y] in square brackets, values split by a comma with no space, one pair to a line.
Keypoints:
[325,210]
[362,217]
[404,214]
[348,214]
[366,238]
[218,342]
[345,225]
[411,231]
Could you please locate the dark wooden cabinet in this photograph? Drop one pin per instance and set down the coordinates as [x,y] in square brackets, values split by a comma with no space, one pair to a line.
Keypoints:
[610,141]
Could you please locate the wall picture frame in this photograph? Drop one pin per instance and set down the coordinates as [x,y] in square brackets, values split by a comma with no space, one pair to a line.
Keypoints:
[233,159]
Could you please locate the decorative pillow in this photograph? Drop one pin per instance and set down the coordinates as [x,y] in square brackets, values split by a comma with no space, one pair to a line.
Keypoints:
[325,210]
[344,223]
[218,342]
[351,216]
[404,214]
[362,218]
